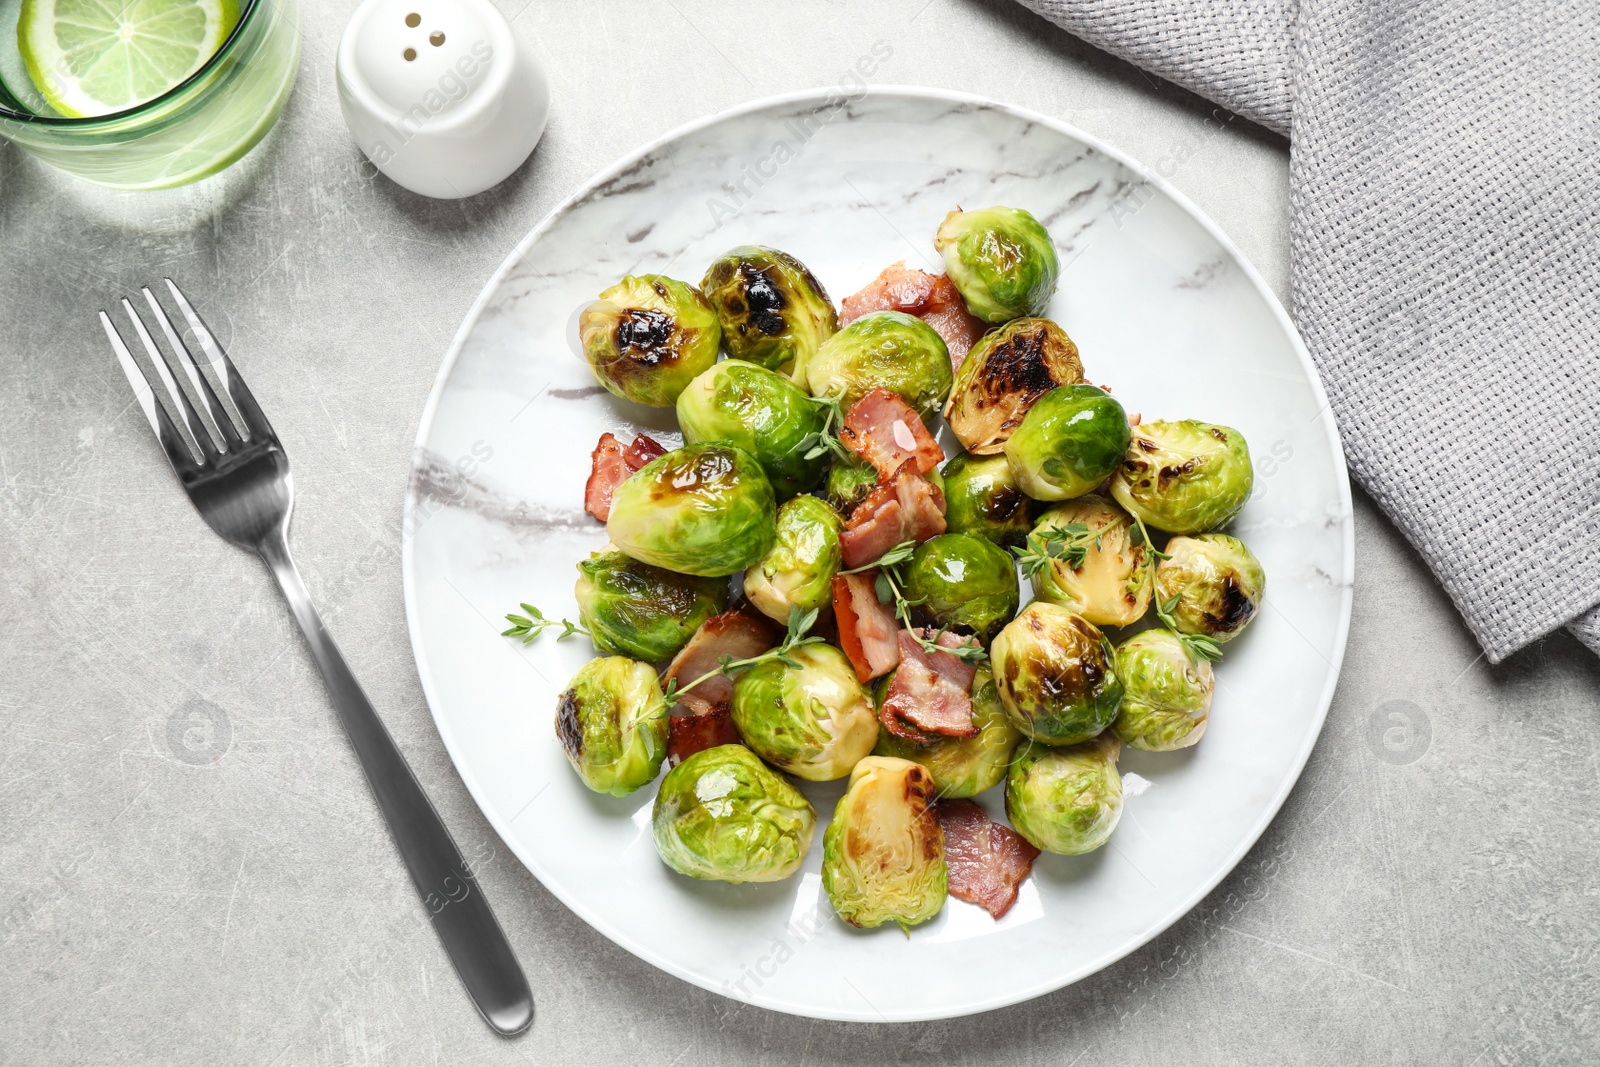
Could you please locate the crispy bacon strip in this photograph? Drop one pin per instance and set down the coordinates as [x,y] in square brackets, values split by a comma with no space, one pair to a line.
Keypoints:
[928,695]
[733,634]
[931,297]
[885,431]
[905,507]
[611,465]
[699,725]
[988,862]
[866,627]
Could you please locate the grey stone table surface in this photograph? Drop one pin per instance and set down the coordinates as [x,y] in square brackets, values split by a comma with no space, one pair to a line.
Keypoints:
[191,867]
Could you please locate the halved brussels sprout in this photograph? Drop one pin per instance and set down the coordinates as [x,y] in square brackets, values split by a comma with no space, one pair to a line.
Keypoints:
[704,509]
[772,309]
[723,815]
[648,336]
[1006,371]
[612,722]
[848,483]
[963,582]
[1166,696]
[963,766]
[887,349]
[981,498]
[798,570]
[746,406]
[1184,477]
[1065,800]
[1218,583]
[813,720]
[1112,587]
[1054,673]
[643,612]
[1001,259]
[1069,441]
[883,854]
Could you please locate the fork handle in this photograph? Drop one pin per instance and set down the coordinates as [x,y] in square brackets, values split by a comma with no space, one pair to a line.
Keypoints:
[461,914]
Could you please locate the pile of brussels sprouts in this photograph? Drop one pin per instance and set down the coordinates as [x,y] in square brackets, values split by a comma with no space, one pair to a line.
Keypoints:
[1055,481]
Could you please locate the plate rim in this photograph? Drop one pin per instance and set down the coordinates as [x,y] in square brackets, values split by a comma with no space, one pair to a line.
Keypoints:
[980,1005]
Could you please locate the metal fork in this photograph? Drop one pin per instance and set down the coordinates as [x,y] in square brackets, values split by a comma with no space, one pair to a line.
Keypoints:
[241,485]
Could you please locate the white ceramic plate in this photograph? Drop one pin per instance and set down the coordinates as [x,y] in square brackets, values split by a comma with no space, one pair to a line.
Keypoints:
[1163,308]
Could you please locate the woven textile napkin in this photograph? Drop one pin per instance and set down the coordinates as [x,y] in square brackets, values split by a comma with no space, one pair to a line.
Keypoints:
[1445,261]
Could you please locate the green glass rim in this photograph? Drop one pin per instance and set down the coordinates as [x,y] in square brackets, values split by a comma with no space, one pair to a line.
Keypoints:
[248,8]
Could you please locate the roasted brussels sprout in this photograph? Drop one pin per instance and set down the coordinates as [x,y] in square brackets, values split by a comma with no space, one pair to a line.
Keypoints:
[1184,477]
[1001,259]
[772,309]
[1006,371]
[1065,800]
[612,722]
[981,498]
[1069,441]
[723,815]
[1166,695]
[643,612]
[648,336]
[1112,586]
[963,582]
[740,404]
[813,720]
[891,349]
[1055,676]
[963,766]
[798,570]
[1218,583]
[883,854]
[849,481]
[704,509]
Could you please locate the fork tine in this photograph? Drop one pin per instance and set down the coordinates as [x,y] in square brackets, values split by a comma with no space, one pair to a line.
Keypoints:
[202,388]
[255,421]
[180,399]
[172,441]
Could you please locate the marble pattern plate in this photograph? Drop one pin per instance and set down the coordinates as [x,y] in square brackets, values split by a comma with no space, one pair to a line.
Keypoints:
[1164,309]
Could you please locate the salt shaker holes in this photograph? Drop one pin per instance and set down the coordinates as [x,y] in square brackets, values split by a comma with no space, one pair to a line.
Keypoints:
[413,20]
[410,54]
[436,38]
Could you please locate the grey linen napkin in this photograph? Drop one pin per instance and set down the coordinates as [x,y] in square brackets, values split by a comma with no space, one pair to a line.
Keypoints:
[1445,261]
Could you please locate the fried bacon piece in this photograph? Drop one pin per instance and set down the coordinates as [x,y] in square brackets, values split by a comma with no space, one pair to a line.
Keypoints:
[930,297]
[928,696]
[987,861]
[697,725]
[733,634]
[612,464]
[866,627]
[904,507]
[885,431]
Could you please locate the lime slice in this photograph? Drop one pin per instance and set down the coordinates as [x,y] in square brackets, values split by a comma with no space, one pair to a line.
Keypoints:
[94,57]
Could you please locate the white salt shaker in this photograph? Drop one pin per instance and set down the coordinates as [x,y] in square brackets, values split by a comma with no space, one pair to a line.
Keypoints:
[441,95]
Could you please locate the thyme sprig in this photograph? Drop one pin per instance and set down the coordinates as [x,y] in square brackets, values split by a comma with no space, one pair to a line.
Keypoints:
[1069,542]
[890,589]
[534,623]
[1198,647]
[826,440]
[796,636]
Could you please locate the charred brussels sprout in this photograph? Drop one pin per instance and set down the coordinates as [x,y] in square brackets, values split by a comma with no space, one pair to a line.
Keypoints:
[798,570]
[772,309]
[883,854]
[1166,695]
[981,498]
[963,582]
[848,483]
[1069,441]
[722,815]
[737,403]
[963,766]
[1218,583]
[1065,800]
[891,349]
[1054,674]
[1006,371]
[648,336]
[1184,477]
[636,610]
[612,722]
[1112,585]
[704,509]
[1001,260]
[811,719]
